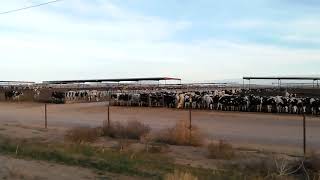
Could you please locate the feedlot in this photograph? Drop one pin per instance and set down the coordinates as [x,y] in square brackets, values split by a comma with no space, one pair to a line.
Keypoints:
[275,132]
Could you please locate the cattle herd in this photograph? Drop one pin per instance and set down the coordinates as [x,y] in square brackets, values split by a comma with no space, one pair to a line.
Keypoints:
[80,96]
[224,100]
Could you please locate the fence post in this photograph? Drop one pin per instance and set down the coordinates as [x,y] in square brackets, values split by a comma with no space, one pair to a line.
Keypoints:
[304,135]
[190,125]
[45,116]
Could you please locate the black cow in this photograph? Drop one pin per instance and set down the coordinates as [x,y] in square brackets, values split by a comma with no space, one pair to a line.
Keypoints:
[58,97]
[12,95]
[144,99]
[254,103]
[169,100]
[315,106]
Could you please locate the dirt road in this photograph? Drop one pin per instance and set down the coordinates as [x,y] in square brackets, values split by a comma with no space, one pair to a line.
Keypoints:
[270,131]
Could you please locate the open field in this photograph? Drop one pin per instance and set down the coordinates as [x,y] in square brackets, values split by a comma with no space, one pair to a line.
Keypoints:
[255,130]
[25,142]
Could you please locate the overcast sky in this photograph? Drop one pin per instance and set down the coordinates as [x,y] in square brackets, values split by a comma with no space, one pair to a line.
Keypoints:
[195,40]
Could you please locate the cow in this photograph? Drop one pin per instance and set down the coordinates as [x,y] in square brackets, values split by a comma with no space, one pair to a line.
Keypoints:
[169,100]
[13,95]
[180,100]
[315,106]
[187,101]
[255,103]
[58,97]
[208,101]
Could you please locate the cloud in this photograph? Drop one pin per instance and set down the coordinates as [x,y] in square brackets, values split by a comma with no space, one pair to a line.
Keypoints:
[110,23]
[102,39]
[248,24]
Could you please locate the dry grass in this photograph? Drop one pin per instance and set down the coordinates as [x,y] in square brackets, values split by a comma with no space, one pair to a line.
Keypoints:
[130,130]
[122,145]
[312,163]
[181,134]
[180,176]
[221,150]
[115,130]
[136,129]
[151,146]
[81,135]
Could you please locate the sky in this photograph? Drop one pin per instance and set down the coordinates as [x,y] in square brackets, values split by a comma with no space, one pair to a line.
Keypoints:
[201,40]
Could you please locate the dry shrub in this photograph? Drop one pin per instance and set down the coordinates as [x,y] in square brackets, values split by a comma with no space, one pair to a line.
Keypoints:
[180,176]
[181,134]
[284,167]
[130,130]
[136,129]
[115,130]
[221,150]
[312,162]
[82,135]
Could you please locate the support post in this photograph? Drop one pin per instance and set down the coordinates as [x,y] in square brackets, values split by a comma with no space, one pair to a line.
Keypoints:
[242,83]
[304,135]
[313,83]
[45,116]
[279,84]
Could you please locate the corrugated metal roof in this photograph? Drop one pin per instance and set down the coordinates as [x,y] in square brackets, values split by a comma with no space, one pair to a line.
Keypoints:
[111,80]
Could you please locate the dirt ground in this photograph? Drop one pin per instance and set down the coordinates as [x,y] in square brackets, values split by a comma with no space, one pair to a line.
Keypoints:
[11,168]
[17,169]
[274,132]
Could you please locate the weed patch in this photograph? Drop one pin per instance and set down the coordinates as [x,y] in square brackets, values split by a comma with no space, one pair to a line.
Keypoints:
[181,134]
[129,130]
[82,135]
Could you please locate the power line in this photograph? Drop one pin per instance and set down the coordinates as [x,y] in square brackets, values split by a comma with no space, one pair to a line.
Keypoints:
[29,7]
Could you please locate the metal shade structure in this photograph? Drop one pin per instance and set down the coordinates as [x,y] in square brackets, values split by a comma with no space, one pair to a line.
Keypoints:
[283,78]
[279,78]
[112,80]
[18,82]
